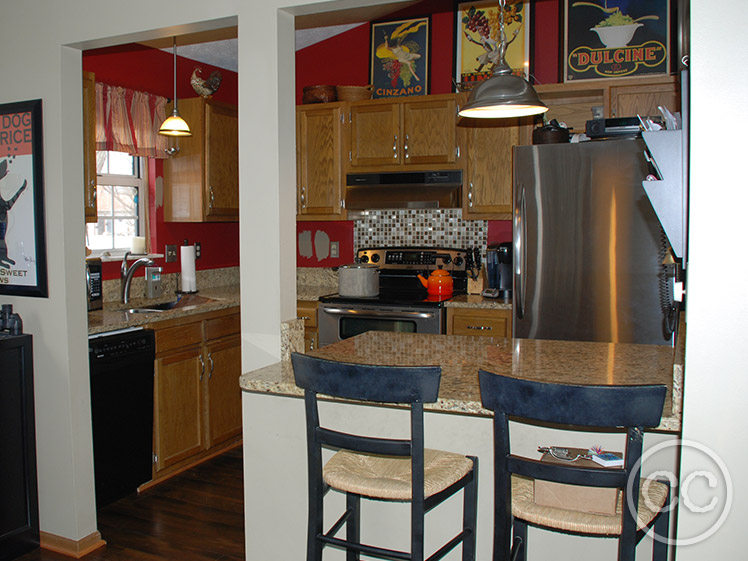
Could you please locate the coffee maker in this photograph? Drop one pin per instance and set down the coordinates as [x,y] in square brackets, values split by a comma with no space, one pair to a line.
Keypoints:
[499,268]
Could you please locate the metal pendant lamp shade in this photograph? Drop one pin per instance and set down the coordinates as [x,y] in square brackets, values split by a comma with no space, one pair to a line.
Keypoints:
[503,94]
[174,125]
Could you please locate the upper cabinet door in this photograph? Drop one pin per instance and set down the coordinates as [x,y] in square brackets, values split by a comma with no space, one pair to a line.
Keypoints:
[221,162]
[429,132]
[319,171]
[375,134]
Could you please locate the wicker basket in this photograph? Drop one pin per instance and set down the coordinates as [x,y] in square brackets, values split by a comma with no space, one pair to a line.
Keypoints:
[354,93]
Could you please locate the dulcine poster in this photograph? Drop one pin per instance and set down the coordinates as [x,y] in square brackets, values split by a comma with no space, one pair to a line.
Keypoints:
[22,268]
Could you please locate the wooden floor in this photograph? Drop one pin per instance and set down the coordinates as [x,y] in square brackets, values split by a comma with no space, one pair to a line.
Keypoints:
[195,516]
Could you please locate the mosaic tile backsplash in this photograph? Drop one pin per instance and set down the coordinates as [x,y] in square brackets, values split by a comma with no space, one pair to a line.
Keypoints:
[419,227]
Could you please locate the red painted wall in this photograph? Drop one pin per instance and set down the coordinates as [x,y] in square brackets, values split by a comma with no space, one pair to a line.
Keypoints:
[146,69]
[341,232]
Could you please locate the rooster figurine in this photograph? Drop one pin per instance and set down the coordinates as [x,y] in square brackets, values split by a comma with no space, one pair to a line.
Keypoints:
[203,87]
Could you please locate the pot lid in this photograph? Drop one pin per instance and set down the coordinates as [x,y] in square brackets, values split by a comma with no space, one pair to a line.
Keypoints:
[359,266]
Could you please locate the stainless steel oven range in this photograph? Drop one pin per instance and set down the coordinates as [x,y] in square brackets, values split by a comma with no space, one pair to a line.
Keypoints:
[403,303]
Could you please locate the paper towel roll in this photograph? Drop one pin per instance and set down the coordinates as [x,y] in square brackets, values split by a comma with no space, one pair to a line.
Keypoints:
[187,260]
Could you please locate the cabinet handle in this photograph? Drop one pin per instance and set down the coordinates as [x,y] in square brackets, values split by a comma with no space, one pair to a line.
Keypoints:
[311,344]
[202,367]
[93,196]
[211,197]
[480,327]
[470,195]
[457,152]
[405,147]
[210,358]
[394,147]
[302,197]
[304,317]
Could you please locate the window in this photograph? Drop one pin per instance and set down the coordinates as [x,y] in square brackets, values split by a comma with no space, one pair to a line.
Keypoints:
[121,202]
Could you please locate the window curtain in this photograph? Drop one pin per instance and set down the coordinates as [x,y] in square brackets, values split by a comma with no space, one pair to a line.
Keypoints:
[128,121]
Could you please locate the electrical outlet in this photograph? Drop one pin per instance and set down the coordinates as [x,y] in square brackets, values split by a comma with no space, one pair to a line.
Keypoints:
[198,250]
[335,250]
[171,253]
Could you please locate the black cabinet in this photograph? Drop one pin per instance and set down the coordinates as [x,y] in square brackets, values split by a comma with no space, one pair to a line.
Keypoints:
[19,510]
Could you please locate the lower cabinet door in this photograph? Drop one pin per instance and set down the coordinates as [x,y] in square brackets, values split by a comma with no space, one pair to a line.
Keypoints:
[178,418]
[223,365]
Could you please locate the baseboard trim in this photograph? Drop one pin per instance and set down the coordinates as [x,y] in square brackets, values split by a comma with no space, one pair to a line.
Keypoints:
[71,548]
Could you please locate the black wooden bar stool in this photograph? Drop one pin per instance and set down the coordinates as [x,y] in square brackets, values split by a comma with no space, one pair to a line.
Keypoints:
[380,468]
[640,504]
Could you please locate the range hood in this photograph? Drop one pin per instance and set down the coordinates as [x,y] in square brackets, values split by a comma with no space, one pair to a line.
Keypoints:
[408,189]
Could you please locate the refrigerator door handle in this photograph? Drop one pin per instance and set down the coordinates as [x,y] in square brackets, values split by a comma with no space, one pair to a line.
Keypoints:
[520,253]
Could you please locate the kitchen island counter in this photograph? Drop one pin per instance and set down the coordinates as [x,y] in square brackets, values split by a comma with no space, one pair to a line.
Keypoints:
[461,357]
[274,436]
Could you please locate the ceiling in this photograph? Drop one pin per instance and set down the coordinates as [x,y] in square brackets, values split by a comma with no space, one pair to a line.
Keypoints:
[219,47]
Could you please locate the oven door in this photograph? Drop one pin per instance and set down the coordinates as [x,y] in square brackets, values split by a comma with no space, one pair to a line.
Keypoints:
[341,321]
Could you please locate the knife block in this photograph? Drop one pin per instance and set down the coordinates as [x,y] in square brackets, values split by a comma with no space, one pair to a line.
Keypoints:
[476,286]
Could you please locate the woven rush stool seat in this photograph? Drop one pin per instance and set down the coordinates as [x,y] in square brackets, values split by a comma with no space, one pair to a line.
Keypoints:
[379,467]
[387,477]
[652,497]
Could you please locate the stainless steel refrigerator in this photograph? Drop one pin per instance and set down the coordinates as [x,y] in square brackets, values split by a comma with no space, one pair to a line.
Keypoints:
[588,247]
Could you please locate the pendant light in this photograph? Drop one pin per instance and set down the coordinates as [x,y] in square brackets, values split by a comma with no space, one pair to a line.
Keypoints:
[503,94]
[174,125]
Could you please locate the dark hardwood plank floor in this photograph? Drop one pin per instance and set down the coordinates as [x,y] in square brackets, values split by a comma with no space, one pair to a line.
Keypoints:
[195,516]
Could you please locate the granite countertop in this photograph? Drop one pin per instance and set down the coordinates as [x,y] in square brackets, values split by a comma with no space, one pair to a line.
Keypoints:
[462,356]
[114,316]
[478,301]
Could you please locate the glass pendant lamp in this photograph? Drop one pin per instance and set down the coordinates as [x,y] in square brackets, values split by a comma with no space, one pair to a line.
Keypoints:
[174,125]
[503,94]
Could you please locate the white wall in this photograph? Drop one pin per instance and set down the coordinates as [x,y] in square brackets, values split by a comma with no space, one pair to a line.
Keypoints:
[41,43]
[715,376]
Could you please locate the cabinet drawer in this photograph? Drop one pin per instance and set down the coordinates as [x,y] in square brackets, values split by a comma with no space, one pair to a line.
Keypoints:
[483,323]
[223,326]
[308,312]
[179,336]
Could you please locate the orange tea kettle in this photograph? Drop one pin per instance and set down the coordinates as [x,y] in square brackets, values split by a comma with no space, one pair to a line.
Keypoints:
[439,283]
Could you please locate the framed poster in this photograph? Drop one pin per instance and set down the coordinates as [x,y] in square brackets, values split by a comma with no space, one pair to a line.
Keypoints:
[477,36]
[615,38]
[23,260]
[400,57]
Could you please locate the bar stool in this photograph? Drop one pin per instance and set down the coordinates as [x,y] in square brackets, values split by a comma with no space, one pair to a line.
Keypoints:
[640,504]
[380,468]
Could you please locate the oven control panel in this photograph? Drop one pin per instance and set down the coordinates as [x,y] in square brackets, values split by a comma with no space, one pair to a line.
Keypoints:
[414,258]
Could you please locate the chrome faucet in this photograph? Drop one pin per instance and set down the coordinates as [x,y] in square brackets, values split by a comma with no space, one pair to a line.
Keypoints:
[126,274]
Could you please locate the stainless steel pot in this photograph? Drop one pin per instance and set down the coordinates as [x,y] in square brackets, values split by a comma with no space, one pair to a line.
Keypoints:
[359,280]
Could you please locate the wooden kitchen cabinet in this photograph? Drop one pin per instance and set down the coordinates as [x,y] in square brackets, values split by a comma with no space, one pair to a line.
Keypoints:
[201,181]
[487,184]
[572,103]
[89,146]
[482,322]
[319,171]
[197,399]
[388,134]
[307,310]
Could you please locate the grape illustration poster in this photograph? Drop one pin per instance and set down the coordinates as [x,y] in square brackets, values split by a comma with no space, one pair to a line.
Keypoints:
[23,269]
[400,58]
[478,38]
[616,38]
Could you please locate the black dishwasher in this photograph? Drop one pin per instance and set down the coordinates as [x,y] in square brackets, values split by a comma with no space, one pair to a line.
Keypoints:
[121,366]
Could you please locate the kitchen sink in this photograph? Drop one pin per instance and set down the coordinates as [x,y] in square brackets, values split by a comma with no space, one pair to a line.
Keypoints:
[181,302]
